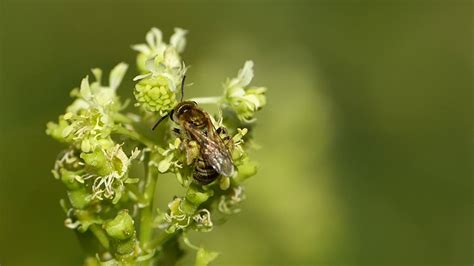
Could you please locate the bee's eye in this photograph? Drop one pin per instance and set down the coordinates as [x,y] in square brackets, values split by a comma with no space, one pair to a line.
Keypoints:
[181,110]
[171,115]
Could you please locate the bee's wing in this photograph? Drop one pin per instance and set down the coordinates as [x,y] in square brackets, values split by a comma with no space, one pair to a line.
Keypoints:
[213,150]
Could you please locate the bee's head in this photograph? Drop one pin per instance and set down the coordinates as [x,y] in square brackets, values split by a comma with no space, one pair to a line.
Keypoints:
[182,109]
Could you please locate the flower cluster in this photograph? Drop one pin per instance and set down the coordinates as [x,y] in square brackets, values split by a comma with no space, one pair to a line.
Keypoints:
[162,71]
[110,167]
[225,195]
[95,167]
[183,214]
[89,120]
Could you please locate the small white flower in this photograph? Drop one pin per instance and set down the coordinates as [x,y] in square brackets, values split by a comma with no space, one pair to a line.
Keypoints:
[243,100]
[203,220]
[154,45]
[157,56]
[110,185]
[229,204]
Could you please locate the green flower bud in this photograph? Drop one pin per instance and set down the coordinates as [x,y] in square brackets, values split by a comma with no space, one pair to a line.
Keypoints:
[91,261]
[187,207]
[85,219]
[97,162]
[246,170]
[126,247]
[69,179]
[156,94]
[121,227]
[79,198]
[196,197]
[224,183]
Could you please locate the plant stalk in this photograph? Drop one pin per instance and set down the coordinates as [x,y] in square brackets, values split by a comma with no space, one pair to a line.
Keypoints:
[100,235]
[146,217]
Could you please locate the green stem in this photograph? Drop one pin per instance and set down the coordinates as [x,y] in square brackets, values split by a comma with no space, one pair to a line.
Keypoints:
[100,234]
[161,239]
[146,217]
[207,100]
[118,117]
[134,135]
[136,193]
[188,242]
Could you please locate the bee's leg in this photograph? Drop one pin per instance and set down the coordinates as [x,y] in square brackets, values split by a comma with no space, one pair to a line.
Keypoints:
[222,131]
[177,131]
[230,144]
[191,149]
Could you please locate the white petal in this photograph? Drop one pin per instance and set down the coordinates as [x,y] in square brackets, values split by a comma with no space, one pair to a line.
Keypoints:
[178,39]
[77,105]
[150,65]
[66,131]
[97,74]
[142,48]
[171,58]
[116,75]
[252,101]
[85,88]
[245,75]
[171,80]
[236,92]
[141,76]
[154,37]
[104,97]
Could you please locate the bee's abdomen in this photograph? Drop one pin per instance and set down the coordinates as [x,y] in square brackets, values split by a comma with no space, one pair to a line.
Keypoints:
[204,173]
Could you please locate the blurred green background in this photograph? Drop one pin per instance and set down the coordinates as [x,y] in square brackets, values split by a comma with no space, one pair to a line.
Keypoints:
[366,154]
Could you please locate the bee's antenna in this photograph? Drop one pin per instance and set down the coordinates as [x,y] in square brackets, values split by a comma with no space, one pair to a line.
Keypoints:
[159,121]
[182,88]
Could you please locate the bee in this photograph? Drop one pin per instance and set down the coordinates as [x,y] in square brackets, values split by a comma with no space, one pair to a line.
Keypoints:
[214,156]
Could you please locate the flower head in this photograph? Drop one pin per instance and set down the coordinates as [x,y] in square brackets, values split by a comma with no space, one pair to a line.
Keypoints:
[155,94]
[202,220]
[96,95]
[162,71]
[156,48]
[108,169]
[245,101]
[88,121]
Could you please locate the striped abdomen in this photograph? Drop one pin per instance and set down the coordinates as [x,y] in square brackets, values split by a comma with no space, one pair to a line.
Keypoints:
[203,172]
